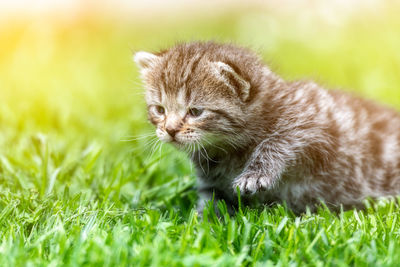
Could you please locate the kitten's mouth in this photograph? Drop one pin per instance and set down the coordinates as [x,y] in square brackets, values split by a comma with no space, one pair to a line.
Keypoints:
[175,142]
[178,143]
[181,144]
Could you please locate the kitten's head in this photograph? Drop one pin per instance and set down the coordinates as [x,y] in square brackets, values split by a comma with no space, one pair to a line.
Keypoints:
[200,92]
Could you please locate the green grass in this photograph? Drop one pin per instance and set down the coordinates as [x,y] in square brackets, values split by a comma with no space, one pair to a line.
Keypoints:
[72,193]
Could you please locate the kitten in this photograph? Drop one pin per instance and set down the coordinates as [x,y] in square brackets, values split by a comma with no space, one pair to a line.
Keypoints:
[244,127]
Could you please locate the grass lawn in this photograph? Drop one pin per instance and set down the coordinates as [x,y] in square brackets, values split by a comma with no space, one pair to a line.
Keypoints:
[78,188]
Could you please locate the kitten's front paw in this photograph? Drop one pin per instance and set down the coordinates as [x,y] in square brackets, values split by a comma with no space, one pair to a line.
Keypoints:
[251,183]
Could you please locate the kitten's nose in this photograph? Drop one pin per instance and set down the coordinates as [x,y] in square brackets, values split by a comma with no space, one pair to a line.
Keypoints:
[171,131]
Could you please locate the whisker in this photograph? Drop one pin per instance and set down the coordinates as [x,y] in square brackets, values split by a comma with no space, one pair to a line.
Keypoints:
[145,144]
[205,152]
[213,145]
[153,149]
[199,155]
[191,156]
[231,143]
[160,156]
[150,143]
[206,157]
[138,137]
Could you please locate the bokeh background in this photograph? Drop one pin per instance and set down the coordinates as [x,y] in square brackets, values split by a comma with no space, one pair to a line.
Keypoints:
[66,65]
[76,166]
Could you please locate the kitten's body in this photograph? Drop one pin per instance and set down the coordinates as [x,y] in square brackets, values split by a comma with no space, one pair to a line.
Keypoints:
[274,140]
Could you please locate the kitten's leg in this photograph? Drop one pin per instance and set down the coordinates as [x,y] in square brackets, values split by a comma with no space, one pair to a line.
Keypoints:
[210,194]
[205,195]
[264,168]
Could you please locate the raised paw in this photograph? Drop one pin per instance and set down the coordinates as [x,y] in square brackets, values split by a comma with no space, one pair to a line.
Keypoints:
[251,183]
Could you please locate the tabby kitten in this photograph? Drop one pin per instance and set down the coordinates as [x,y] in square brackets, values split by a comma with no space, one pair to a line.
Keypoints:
[244,127]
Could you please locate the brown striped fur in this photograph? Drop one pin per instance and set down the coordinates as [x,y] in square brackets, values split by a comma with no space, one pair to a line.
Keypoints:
[274,140]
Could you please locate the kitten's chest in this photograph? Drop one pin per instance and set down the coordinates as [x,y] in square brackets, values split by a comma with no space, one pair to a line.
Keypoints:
[220,172]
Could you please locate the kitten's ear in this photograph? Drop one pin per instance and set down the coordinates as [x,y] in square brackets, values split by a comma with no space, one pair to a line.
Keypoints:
[145,60]
[232,79]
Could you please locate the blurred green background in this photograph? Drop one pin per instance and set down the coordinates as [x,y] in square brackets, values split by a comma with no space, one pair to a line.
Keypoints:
[61,75]
[70,95]
[77,74]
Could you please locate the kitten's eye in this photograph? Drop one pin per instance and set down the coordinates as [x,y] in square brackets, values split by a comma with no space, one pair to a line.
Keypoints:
[195,112]
[160,110]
